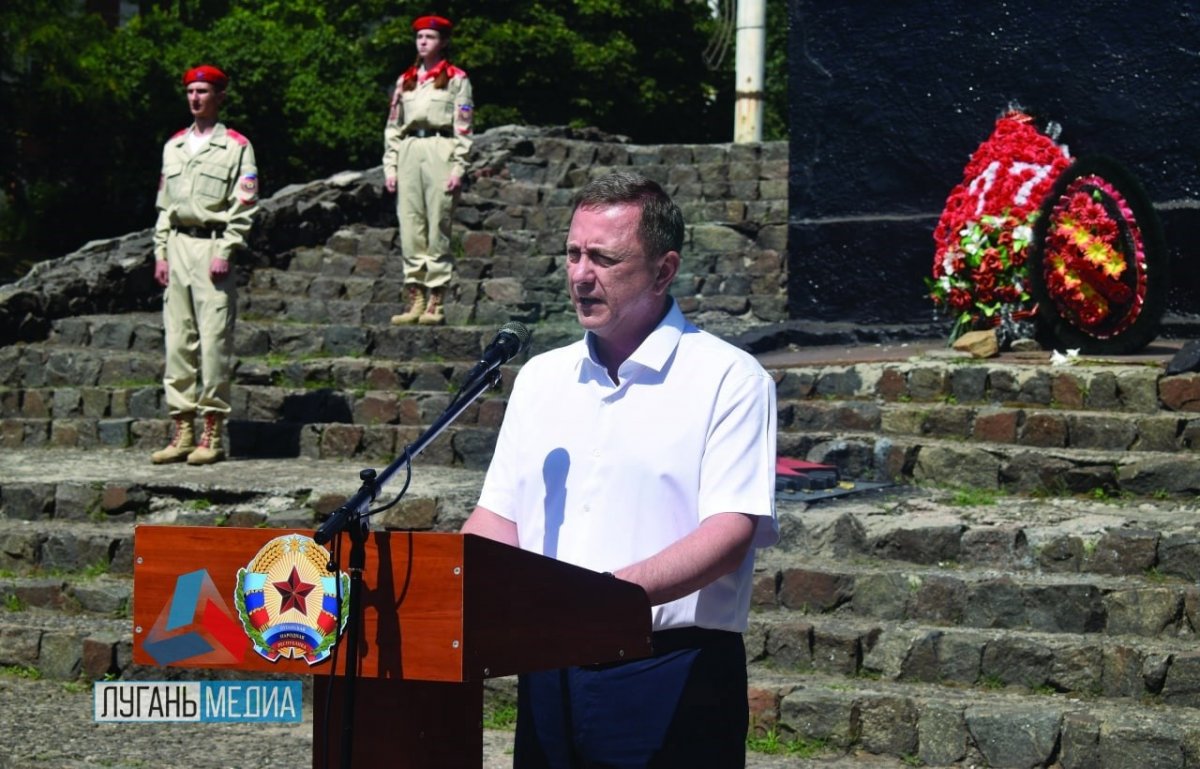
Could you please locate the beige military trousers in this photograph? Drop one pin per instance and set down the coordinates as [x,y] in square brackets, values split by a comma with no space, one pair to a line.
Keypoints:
[198,319]
[424,208]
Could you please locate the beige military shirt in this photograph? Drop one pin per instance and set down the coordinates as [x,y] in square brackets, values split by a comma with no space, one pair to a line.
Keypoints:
[215,187]
[426,108]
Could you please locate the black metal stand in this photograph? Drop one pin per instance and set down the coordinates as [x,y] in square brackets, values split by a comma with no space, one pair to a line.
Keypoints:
[358,530]
[352,517]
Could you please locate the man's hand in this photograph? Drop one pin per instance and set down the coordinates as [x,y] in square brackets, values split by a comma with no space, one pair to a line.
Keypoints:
[218,268]
[453,183]
[162,272]
[390,183]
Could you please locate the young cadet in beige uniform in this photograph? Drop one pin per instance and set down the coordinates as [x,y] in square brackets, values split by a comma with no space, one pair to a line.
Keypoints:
[426,141]
[207,196]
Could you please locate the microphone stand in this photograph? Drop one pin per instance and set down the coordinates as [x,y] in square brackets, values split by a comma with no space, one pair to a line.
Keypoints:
[352,517]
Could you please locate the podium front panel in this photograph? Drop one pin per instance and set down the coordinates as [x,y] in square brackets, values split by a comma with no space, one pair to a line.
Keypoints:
[261,599]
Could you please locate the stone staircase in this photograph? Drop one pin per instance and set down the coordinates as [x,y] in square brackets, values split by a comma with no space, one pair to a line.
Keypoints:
[1023,595]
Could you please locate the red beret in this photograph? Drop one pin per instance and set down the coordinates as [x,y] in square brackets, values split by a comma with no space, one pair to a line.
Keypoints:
[206,73]
[436,23]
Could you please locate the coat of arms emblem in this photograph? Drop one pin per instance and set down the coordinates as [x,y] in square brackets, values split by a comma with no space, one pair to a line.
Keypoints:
[287,600]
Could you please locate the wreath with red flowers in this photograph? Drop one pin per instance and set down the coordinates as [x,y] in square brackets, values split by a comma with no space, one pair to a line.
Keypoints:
[1099,262]
[980,264]
[1030,235]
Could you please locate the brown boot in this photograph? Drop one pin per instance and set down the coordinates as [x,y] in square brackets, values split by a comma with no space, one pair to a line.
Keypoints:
[209,448]
[416,306]
[182,443]
[433,311]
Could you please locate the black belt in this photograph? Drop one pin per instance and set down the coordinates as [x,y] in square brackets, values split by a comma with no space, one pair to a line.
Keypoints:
[421,133]
[201,232]
[664,641]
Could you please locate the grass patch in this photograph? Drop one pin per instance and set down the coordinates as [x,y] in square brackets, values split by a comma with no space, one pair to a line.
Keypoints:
[973,497]
[21,671]
[13,602]
[501,717]
[771,743]
[97,569]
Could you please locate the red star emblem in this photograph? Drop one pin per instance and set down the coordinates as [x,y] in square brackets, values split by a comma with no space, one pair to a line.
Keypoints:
[292,593]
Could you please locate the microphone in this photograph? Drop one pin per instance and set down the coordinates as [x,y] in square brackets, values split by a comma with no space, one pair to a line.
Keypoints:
[511,340]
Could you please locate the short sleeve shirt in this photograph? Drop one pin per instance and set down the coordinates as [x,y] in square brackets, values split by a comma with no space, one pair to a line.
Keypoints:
[602,475]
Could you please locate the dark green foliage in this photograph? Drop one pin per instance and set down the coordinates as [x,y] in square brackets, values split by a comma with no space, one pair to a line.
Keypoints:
[85,108]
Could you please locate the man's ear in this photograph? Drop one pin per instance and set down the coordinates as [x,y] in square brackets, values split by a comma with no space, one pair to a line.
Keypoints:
[668,267]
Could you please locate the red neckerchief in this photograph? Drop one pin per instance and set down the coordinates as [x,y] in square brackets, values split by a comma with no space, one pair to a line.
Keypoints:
[412,73]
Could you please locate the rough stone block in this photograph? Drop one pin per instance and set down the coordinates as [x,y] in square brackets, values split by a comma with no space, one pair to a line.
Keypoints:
[1128,741]
[888,725]
[815,591]
[957,466]
[942,734]
[1180,392]
[1004,546]
[1044,430]
[1080,747]
[98,658]
[340,441]
[1015,736]
[938,599]
[790,645]
[1111,432]
[20,550]
[1124,551]
[1016,661]
[837,651]
[61,656]
[27,501]
[19,645]
[1065,608]
[995,425]
[814,714]
[883,596]
[995,603]
[1182,684]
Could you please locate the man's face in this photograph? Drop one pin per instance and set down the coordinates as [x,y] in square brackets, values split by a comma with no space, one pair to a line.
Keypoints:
[429,41]
[204,101]
[616,289]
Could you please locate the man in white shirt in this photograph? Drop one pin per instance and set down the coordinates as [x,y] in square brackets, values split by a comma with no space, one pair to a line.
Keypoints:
[646,449]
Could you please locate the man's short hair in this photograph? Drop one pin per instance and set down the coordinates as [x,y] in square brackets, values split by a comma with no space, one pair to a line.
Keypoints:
[661,226]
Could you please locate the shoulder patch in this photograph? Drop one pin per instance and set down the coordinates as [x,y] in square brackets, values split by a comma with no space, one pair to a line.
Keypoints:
[179,133]
[457,72]
[237,137]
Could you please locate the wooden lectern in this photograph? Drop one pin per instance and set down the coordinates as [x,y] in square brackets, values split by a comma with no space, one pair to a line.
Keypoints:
[441,613]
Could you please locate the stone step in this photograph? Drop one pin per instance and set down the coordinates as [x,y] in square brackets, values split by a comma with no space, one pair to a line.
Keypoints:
[927,530]
[85,494]
[65,646]
[1163,671]
[1161,430]
[124,384]
[1055,603]
[105,595]
[934,725]
[1012,468]
[932,378]
[286,340]
[462,444]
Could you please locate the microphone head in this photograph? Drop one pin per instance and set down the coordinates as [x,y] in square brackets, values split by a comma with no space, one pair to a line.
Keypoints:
[518,330]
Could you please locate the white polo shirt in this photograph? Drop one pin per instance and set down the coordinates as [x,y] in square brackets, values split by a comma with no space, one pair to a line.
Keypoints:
[603,475]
